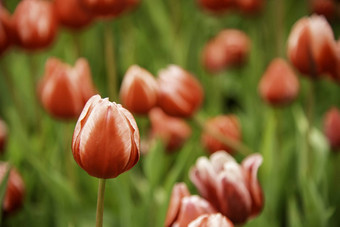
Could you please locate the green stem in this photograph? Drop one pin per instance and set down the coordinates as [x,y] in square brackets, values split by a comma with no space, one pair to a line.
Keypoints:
[76,44]
[110,62]
[100,203]
[279,6]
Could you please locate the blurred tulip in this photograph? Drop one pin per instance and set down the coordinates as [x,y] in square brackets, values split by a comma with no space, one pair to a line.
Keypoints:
[217,6]
[3,136]
[214,56]
[111,8]
[326,8]
[5,29]
[332,127]
[211,220]
[15,191]
[171,130]
[36,23]
[279,84]
[184,208]
[106,139]
[71,14]
[64,90]
[231,188]
[312,48]
[139,90]
[250,6]
[228,126]
[180,93]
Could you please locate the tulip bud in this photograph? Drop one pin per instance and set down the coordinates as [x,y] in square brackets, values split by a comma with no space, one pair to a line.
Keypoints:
[3,136]
[36,23]
[5,21]
[139,90]
[171,130]
[214,56]
[250,6]
[180,93]
[71,14]
[231,188]
[15,191]
[332,127]
[106,139]
[228,126]
[184,208]
[279,84]
[108,8]
[63,91]
[326,8]
[312,48]
[211,220]
[217,6]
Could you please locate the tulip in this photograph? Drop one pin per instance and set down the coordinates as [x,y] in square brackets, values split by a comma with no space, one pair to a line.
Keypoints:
[15,190]
[210,220]
[35,23]
[172,131]
[184,208]
[214,56]
[180,93]
[332,127]
[106,139]
[5,29]
[217,6]
[63,91]
[279,84]
[231,188]
[71,14]
[312,48]
[250,6]
[228,126]
[326,8]
[139,90]
[3,136]
[111,8]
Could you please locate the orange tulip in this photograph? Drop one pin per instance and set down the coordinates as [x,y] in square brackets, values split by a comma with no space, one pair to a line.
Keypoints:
[35,23]
[210,220]
[3,136]
[228,126]
[139,90]
[63,91]
[180,93]
[332,127]
[15,191]
[106,139]
[108,8]
[279,84]
[172,131]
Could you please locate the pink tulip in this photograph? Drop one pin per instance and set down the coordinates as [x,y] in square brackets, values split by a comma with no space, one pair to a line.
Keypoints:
[211,220]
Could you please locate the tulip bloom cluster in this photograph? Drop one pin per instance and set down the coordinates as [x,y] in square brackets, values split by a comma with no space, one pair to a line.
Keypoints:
[220,6]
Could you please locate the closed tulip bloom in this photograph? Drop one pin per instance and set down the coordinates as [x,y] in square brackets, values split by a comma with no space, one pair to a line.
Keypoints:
[279,84]
[172,131]
[139,90]
[5,27]
[71,14]
[111,8]
[228,126]
[15,191]
[250,6]
[3,136]
[214,56]
[312,48]
[184,208]
[332,127]
[35,23]
[106,139]
[231,188]
[180,93]
[211,220]
[326,8]
[64,90]
[217,6]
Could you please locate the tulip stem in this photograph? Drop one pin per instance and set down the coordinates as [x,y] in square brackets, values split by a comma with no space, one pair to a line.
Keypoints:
[279,6]
[100,202]
[110,62]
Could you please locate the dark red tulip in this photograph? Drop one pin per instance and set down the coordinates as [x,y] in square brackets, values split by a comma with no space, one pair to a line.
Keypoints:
[250,6]
[211,220]
[3,136]
[184,208]
[64,90]
[326,8]
[72,14]
[180,93]
[172,131]
[106,139]
[231,188]
[332,127]
[217,6]
[35,23]
[139,90]
[15,191]
[228,126]
[279,84]
[312,48]
[110,8]
[7,31]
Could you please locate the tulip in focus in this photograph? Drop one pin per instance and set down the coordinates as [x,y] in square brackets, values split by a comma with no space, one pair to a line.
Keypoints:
[231,188]
[139,90]
[172,131]
[180,93]
[332,127]
[211,220]
[15,191]
[184,208]
[312,48]
[228,126]
[64,90]
[106,139]
[279,84]
[326,8]
[112,8]
[3,136]
[35,23]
